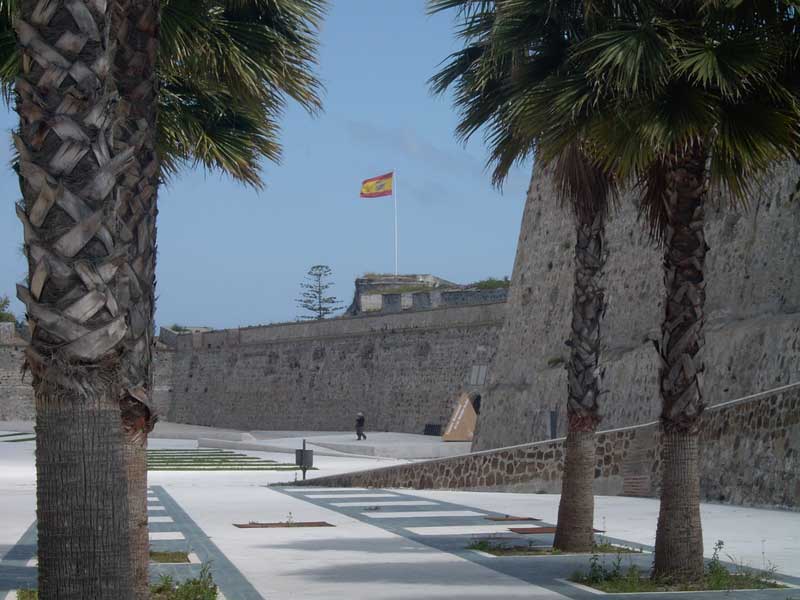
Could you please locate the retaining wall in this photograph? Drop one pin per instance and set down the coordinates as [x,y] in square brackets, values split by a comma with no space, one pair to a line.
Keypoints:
[749,455]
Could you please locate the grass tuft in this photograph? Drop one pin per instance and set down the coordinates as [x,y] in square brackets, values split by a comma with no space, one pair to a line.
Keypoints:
[500,549]
[186,459]
[200,588]
[717,577]
[169,557]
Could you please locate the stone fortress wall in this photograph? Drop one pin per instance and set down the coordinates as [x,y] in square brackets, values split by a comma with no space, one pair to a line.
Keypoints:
[16,394]
[404,371]
[752,312]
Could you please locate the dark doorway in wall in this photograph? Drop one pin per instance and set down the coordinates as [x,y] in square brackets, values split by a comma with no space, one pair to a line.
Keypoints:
[476,403]
[433,429]
[553,424]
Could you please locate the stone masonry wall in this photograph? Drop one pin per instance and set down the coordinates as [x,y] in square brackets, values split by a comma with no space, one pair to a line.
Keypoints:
[749,455]
[404,371]
[16,394]
[163,359]
[752,312]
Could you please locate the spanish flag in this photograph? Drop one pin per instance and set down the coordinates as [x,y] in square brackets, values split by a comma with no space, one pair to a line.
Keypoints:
[379,186]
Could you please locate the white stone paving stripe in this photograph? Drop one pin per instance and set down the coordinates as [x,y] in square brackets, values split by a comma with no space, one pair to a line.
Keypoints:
[193,558]
[423,514]
[323,489]
[458,529]
[166,535]
[156,508]
[388,503]
[329,496]
[153,500]
[160,519]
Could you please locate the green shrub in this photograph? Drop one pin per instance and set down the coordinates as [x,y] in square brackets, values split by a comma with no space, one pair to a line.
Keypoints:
[491,283]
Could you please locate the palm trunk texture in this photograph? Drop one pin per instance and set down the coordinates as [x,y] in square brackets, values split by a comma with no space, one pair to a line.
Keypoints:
[679,537]
[136,29]
[77,296]
[135,459]
[574,531]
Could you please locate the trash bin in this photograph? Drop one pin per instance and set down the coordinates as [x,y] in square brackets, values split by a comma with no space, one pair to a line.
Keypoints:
[304,458]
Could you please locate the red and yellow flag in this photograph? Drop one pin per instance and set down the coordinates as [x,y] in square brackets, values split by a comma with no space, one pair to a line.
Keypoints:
[377,187]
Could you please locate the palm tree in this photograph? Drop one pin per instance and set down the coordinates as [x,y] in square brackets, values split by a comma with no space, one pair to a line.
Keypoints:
[226,70]
[683,97]
[513,50]
[76,295]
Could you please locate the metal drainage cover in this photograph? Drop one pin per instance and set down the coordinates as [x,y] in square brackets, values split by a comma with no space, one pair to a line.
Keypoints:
[532,530]
[535,530]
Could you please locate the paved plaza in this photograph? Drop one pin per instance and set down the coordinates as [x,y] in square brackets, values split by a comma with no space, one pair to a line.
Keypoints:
[386,544]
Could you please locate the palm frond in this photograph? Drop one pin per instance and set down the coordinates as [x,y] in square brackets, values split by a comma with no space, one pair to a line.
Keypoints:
[227,70]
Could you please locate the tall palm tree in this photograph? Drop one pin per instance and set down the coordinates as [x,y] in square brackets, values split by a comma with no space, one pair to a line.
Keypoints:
[513,50]
[683,97]
[226,69]
[77,295]
[240,58]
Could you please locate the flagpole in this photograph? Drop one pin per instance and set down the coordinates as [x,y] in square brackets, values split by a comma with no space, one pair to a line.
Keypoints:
[394,196]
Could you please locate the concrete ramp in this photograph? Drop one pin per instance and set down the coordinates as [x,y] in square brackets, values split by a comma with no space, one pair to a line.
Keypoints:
[393,445]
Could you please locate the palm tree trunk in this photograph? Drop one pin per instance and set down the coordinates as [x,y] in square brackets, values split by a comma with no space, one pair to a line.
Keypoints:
[83,534]
[576,507]
[136,29]
[77,295]
[135,460]
[679,537]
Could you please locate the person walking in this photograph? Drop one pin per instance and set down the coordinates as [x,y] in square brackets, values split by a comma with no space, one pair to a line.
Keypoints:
[360,426]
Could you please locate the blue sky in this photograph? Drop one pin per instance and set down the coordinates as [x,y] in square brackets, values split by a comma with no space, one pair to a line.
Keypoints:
[230,256]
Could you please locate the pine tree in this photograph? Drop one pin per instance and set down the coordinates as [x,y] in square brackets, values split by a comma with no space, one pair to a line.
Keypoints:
[6,316]
[313,298]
